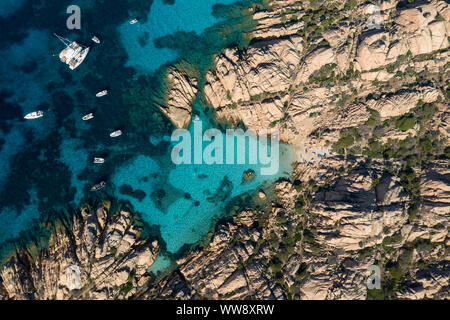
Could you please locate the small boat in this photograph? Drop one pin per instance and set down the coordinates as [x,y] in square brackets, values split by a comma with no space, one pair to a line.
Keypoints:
[74,54]
[116,134]
[34,115]
[196,118]
[95,39]
[101,93]
[89,116]
[98,186]
[99,160]
[134,21]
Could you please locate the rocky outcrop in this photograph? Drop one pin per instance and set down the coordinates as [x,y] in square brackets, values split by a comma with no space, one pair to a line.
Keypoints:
[354,212]
[428,283]
[420,30]
[180,94]
[96,255]
[433,222]
[267,67]
[279,82]
[319,244]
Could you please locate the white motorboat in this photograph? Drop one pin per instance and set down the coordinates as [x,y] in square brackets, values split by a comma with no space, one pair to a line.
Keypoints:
[101,93]
[95,39]
[98,186]
[99,160]
[134,21]
[89,116]
[116,133]
[34,115]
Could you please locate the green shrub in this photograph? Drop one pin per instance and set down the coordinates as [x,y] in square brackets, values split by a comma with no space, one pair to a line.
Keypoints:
[275,264]
[344,142]
[405,123]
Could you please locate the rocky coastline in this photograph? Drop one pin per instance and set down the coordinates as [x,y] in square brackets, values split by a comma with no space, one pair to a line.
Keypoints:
[373,102]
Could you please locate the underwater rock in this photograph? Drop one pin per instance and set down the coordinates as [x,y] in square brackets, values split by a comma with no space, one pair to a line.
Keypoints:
[262,195]
[248,175]
[128,190]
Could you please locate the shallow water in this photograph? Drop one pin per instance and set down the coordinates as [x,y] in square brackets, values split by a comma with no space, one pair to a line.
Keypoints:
[46,164]
[162,20]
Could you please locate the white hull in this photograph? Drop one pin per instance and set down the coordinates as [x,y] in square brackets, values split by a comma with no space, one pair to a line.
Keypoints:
[99,186]
[116,134]
[99,160]
[73,55]
[88,117]
[101,93]
[95,39]
[133,21]
[34,115]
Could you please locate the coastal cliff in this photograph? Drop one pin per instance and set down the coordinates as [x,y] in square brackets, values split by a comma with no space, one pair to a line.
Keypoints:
[96,255]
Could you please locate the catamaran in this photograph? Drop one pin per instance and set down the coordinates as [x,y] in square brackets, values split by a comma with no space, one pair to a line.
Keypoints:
[98,186]
[89,116]
[74,53]
[101,93]
[95,39]
[34,115]
[116,133]
[99,160]
[134,21]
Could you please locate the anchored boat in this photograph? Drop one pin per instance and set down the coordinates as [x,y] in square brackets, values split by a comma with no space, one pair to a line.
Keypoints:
[89,116]
[34,115]
[99,160]
[101,93]
[134,21]
[95,39]
[116,133]
[98,186]
[74,53]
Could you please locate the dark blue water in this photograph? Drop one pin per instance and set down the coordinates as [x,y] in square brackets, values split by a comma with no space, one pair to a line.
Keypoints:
[46,164]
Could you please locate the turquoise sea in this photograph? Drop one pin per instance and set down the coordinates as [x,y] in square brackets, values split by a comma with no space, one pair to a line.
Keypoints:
[46,164]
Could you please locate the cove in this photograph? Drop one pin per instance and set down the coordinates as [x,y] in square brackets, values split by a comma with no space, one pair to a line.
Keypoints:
[182,202]
[203,191]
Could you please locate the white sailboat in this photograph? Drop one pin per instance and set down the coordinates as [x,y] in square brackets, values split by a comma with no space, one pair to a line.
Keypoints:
[74,53]
[101,93]
[116,133]
[34,115]
[89,116]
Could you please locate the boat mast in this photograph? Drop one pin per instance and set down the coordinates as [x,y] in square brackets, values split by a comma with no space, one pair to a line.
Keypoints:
[67,42]
[63,40]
